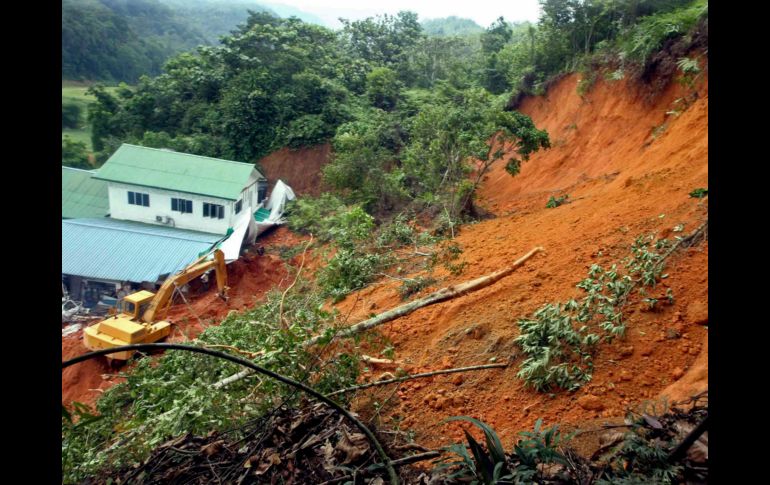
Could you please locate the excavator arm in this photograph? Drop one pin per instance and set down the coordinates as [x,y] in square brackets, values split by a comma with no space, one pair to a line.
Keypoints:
[163,297]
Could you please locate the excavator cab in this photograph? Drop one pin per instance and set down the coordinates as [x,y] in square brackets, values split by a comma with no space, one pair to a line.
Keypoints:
[136,303]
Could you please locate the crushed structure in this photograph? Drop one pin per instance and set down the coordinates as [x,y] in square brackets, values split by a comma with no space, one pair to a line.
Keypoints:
[148,213]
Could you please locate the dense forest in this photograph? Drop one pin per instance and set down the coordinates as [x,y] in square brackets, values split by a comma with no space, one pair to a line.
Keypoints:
[120,40]
[451,26]
[402,109]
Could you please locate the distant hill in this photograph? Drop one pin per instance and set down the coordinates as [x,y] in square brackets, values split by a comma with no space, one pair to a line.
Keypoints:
[120,40]
[214,18]
[451,26]
[286,11]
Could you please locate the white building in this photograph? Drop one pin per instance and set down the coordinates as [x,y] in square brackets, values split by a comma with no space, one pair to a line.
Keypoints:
[173,189]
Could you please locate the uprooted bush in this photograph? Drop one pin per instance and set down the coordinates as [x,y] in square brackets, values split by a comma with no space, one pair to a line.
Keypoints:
[560,338]
[173,394]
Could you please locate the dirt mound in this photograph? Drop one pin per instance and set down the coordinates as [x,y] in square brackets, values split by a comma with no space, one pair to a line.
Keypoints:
[628,168]
[300,169]
[82,382]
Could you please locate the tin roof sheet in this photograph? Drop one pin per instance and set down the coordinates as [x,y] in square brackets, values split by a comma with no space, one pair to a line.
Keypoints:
[112,249]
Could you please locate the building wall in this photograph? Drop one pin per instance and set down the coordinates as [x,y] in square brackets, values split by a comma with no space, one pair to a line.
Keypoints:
[160,205]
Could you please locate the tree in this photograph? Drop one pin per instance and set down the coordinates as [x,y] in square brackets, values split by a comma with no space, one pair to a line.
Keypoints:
[70,116]
[492,41]
[383,89]
[74,153]
[364,150]
[449,135]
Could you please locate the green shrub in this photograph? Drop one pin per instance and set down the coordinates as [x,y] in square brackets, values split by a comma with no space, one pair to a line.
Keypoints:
[397,233]
[490,465]
[649,35]
[347,271]
[554,202]
[71,115]
[74,153]
[560,338]
[699,193]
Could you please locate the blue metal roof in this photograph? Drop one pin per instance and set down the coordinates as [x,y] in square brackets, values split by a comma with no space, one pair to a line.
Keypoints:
[112,249]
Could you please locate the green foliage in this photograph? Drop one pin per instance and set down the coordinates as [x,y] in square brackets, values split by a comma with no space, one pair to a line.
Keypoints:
[491,465]
[554,202]
[649,35]
[451,25]
[560,338]
[397,233]
[446,135]
[349,228]
[699,193]
[382,40]
[119,40]
[383,88]
[642,456]
[347,271]
[447,255]
[74,153]
[70,116]
[363,151]
[172,394]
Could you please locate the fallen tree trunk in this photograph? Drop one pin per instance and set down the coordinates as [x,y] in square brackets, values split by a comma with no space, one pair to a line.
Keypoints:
[443,294]
[437,297]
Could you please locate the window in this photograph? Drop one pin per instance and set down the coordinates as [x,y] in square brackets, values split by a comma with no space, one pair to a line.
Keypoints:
[138,198]
[238,206]
[215,211]
[181,205]
[261,191]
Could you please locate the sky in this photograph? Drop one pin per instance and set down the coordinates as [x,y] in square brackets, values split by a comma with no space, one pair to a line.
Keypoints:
[483,12]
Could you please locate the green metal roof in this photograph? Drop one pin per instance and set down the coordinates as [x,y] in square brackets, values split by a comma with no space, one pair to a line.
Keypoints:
[181,172]
[82,195]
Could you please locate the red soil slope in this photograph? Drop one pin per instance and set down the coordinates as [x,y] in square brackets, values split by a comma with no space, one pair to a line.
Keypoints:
[624,179]
[300,169]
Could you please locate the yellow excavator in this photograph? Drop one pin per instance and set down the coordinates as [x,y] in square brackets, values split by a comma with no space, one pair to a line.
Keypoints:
[140,312]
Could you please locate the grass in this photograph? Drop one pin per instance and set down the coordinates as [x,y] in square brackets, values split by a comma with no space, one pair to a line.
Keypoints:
[75,93]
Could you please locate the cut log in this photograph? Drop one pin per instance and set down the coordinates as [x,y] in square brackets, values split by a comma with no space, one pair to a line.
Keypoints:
[439,296]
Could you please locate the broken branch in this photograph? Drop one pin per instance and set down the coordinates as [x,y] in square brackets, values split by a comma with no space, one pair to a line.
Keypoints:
[285,325]
[417,376]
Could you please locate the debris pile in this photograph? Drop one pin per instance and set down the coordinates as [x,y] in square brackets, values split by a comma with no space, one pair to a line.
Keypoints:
[313,444]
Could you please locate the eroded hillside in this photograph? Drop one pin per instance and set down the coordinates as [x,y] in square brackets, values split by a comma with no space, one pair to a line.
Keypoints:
[628,164]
